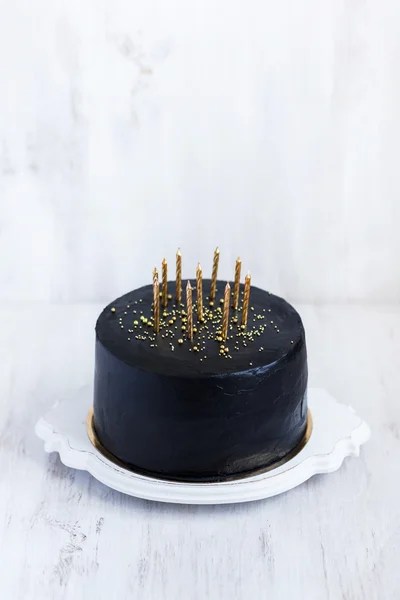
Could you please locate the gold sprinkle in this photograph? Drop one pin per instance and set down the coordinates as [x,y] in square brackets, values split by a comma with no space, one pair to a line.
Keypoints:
[180,341]
[144,320]
[195,348]
[136,322]
[171,321]
[194,329]
[113,309]
[169,296]
[211,303]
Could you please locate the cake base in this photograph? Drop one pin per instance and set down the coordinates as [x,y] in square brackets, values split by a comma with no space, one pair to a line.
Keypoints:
[337,432]
[91,431]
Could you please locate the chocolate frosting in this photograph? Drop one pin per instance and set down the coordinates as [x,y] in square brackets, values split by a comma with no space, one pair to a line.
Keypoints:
[184,410]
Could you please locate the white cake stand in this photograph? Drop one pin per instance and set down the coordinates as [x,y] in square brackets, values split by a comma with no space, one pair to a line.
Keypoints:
[337,432]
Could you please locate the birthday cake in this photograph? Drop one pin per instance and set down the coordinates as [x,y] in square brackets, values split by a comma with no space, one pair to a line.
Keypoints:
[205,384]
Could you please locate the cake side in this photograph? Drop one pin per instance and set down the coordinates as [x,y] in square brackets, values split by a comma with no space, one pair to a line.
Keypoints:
[200,415]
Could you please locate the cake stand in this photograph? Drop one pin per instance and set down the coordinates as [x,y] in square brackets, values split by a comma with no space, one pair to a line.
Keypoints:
[336,432]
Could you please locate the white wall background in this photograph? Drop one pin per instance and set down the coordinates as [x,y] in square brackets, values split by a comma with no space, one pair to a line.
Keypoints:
[128,128]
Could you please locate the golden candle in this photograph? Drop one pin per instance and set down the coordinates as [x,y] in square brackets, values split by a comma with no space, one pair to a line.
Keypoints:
[246,299]
[156,301]
[178,295]
[225,315]
[199,290]
[236,289]
[189,310]
[164,283]
[213,287]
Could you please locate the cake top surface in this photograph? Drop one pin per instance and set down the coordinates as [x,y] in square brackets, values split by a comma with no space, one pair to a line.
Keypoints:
[273,331]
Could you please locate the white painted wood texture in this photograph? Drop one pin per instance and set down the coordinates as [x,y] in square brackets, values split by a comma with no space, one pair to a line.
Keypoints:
[126,125]
[65,536]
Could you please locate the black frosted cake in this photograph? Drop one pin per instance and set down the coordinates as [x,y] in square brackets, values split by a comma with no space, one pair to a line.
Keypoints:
[200,395]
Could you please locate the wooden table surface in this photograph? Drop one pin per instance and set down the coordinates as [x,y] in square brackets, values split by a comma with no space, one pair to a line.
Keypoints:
[64,535]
